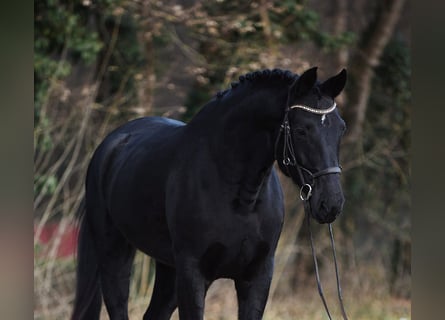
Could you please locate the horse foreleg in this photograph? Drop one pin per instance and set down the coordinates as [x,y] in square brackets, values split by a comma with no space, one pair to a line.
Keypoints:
[163,300]
[191,290]
[252,292]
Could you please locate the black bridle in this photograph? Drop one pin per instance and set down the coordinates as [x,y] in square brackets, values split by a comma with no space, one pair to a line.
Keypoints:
[289,160]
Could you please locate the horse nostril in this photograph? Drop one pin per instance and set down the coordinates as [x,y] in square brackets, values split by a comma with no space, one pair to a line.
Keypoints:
[331,210]
[326,208]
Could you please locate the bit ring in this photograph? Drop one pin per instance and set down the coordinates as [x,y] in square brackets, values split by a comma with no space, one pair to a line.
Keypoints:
[305,192]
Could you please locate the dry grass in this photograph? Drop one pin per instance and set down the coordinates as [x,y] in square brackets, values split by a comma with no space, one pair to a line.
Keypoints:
[305,305]
[293,293]
[365,290]
[221,305]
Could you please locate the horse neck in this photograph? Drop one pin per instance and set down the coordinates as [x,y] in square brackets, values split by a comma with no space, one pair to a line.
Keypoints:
[244,139]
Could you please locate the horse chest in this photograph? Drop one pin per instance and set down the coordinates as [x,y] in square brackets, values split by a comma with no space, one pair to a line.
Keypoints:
[237,249]
[239,258]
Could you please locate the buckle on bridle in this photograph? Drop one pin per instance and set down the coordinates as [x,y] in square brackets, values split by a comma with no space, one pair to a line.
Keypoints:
[305,192]
[288,162]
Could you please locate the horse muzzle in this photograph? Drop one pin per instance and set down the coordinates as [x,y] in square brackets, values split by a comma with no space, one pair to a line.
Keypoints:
[326,199]
[328,210]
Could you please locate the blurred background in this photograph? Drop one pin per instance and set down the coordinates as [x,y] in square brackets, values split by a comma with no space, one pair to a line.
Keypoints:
[98,64]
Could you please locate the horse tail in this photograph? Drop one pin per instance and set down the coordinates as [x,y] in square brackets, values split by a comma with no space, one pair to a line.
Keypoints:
[88,299]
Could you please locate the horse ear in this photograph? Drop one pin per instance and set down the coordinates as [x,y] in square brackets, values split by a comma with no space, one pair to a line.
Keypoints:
[334,85]
[305,82]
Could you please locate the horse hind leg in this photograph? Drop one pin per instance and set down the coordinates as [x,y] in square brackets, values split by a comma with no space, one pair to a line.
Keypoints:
[163,300]
[104,264]
[116,259]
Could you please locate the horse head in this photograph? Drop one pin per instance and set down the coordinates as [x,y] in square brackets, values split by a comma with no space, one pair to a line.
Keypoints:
[310,140]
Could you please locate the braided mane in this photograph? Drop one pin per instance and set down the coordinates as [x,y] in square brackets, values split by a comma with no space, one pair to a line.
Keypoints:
[275,74]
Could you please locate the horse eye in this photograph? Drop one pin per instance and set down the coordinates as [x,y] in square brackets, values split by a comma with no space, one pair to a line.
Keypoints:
[300,132]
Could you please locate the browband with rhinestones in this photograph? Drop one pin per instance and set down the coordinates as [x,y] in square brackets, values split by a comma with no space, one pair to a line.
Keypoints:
[316,111]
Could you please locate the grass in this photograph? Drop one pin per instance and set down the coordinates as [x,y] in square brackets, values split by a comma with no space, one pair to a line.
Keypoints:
[304,305]
[293,292]
[293,295]
[364,300]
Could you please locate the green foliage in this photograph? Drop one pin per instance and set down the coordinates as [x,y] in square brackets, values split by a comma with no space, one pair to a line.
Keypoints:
[126,60]
[237,35]
[299,23]
[394,73]
[58,29]
[72,33]
[379,188]
[44,184]
[332,43]
[60,26]
[43,138]
[65,34]
[389,116]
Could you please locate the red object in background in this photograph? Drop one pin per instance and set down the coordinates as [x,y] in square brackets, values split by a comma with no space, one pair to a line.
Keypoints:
[68,242]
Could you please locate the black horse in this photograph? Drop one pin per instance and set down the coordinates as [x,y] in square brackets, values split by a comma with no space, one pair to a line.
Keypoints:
[203,198]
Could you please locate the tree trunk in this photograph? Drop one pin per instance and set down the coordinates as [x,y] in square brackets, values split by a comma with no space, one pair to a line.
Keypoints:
[362,66]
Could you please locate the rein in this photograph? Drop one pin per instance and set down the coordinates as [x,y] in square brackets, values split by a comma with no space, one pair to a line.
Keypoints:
[289,159]
[317,275]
